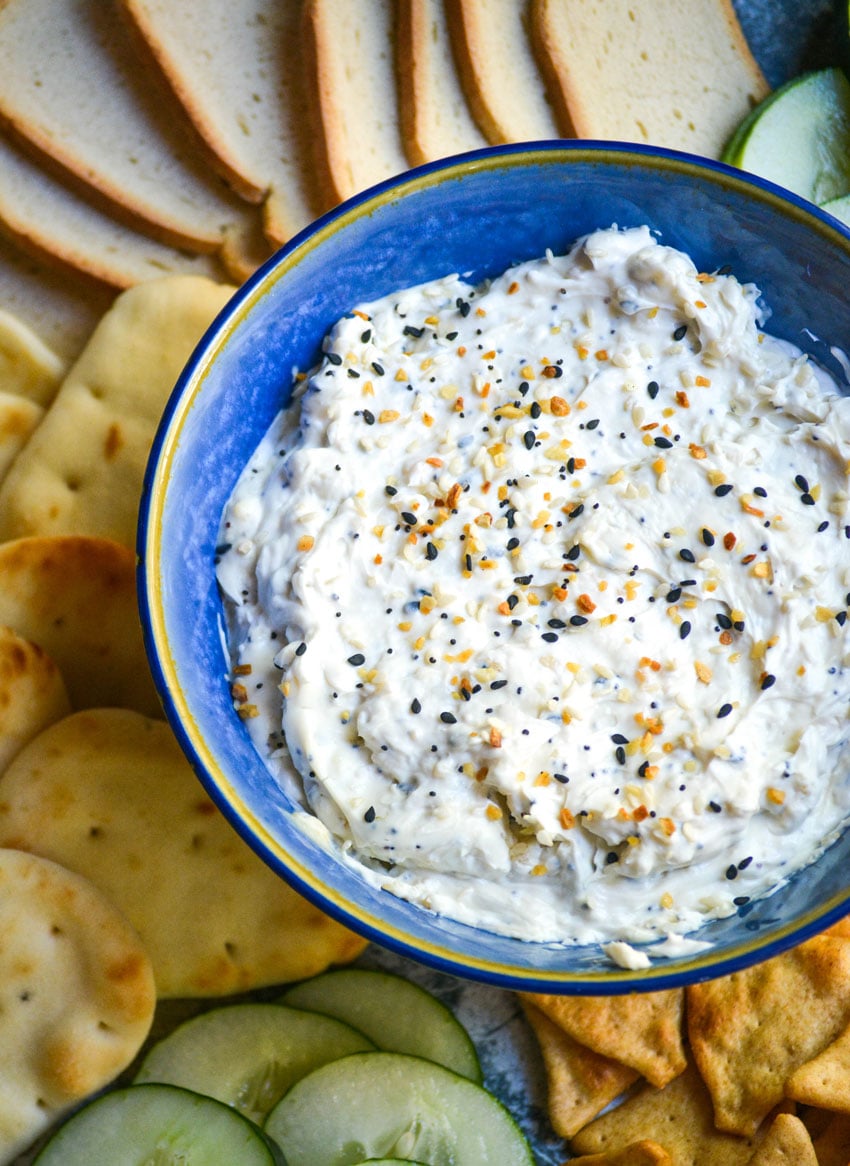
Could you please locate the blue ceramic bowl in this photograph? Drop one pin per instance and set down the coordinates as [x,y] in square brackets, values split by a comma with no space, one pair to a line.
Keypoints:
[476,214]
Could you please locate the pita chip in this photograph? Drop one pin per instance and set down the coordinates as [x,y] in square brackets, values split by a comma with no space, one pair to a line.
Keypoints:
[18,418]
[109,794]
[787,1143]
[641,1030]
[680,1114]
[750,1031]
[32,693]
[825,1080]
[643,1153]
[76,598]
[81,470]
[28,368]
[580,1083]
[76,995]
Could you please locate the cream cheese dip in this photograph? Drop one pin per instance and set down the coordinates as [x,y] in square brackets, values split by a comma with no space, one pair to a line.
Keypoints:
[537,597]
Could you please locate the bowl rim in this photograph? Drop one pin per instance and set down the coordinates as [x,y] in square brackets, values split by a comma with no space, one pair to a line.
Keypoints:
[661,974]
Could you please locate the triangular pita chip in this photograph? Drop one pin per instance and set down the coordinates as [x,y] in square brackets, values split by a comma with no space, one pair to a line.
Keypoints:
[825,1080]
[580,1083]
[749,1031]
[787,1143]
[641,1030]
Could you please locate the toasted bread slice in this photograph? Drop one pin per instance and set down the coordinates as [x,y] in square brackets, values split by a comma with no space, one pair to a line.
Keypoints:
[503,84]
[237,72]
[73,90]
[54,224]
[57,308]
[646,72]
[349,54]
[435,118]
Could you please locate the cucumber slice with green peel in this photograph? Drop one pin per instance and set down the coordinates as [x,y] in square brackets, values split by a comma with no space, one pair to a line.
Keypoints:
[373,1104]
[397,1015]
[158,1125]
[248,1055]
[799,137]
[390,1162]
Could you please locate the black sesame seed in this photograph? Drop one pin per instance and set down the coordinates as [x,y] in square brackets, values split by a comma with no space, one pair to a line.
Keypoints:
[498,683]
[571,465]
[611,857]
[512,544]
[722,490]
[377,369]
[620,754]
[430,551]
[675,595]
[619,739]
[767,682]
[463,306]
[357,659]
[684,630]
[680,332]
[550,637]
[573,553]
[561,777]
[409,517]
[663,443]
[687,556]
[715,807]
[731,872]
[301,649]
[354,374]
[369,816]
[807,499]
[409,330]
[522,580]
[368,417]
[760,490]
[577,620]
[415,707]
[745,862]
[577,511]
[823,526]
[741,900]
[512,601]
[535,410]
[724,711]
[652,389]
[528,439]
[391,490]
[724,621]
[841,618]
[642,768]
[707,537]
[448,719]
[334,358]
[592,424]
[801,483]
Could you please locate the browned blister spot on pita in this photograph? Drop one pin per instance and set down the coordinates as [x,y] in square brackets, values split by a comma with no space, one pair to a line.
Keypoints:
[641,1030]
[750,1031]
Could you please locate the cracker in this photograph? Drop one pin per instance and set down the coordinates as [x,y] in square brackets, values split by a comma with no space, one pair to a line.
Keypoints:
[580,1083]
[76,994]
[108,793]
[32,693]
[642,1153]
[28,368]
[683,1111]
[76,599]
[81,471]
[751,1030]
[787,1143]
[825,1080]
[641,1030]
[19,417]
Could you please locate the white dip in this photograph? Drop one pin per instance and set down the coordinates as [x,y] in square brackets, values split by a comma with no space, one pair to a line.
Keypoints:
[544,583]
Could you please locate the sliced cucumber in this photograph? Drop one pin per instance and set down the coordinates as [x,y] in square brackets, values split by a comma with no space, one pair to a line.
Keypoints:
[158,1125]
[248,1055]
[390,1162]
[394,1013]
[800,137]
[373,1104]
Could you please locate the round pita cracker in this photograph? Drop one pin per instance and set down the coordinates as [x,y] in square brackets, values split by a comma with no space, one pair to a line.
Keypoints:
[76,994]
[32,693]
[75,597]
[108,793]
